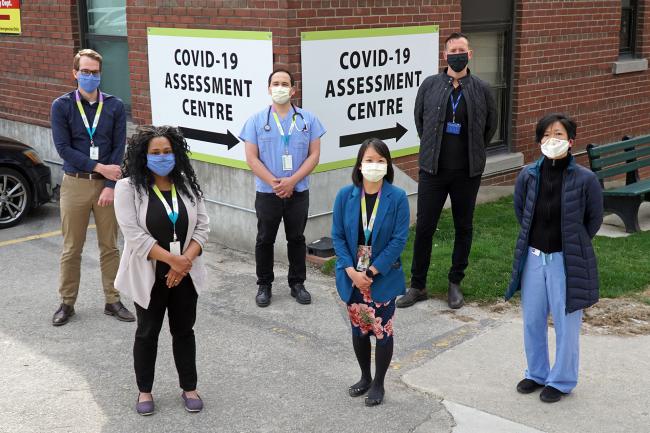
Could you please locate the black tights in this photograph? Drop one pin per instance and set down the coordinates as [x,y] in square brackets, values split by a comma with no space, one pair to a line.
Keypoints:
[383,356]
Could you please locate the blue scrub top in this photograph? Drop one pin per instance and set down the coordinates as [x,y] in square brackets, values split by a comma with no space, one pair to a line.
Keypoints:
[271,145]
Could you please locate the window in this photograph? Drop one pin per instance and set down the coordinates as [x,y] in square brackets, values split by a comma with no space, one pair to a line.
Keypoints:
[627,37]
[103,24]
[489,64]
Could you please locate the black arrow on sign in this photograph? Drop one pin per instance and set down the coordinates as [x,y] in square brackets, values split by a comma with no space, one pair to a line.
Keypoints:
[383,134]
[211,137]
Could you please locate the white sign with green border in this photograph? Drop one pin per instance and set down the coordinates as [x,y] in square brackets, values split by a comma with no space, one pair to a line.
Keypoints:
[363,83]
[208,83]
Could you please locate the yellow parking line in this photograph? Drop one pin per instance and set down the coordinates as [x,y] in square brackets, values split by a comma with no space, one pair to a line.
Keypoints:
[33,237]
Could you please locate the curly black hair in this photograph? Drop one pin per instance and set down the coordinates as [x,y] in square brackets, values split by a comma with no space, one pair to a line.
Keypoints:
[135,162]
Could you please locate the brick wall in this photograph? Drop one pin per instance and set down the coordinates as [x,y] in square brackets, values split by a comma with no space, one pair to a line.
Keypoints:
[563,58]
[36,65]
[563,62]
[317,15]
[258,15]
[287,20]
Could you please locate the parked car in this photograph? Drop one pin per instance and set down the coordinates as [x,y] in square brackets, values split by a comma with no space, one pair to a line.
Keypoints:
[25,181]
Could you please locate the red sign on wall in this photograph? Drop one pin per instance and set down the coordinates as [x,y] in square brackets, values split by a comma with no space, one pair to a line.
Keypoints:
[10,16]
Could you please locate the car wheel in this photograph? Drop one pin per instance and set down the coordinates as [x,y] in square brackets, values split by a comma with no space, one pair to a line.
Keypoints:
[15,197]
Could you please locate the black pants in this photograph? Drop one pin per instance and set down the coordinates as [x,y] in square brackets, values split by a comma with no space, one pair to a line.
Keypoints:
[432,194]
[270,211]
[180,303]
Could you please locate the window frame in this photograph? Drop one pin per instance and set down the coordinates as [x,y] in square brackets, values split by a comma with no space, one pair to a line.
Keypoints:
[505,109]
[629,50]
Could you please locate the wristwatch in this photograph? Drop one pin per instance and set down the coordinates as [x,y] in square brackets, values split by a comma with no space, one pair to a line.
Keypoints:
[369,273]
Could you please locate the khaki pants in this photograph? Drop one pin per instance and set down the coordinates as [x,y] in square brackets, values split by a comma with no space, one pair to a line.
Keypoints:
[78,198]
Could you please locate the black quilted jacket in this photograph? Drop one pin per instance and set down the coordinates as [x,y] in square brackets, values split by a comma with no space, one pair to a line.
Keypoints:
[430,111]
[582,215]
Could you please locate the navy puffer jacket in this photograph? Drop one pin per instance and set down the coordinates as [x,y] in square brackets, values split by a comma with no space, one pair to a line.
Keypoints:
[582,215]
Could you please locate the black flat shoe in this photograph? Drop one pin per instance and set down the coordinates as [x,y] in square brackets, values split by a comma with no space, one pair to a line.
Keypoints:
[373,401]
[359,388]
[374,398]
[527,386]
[550,394]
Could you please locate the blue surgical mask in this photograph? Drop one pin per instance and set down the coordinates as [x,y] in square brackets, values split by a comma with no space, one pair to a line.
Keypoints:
[161,164]
[89,83]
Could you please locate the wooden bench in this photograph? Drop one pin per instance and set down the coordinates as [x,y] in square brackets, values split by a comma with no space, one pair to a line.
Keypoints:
[623,157]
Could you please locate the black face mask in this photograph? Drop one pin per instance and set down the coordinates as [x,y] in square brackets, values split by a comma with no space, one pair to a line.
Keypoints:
[457,62]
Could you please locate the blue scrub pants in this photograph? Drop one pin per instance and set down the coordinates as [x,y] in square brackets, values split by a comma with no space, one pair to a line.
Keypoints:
[543,290]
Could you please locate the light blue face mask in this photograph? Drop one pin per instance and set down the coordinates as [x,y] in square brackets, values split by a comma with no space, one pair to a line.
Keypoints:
[161,164]
[89,83]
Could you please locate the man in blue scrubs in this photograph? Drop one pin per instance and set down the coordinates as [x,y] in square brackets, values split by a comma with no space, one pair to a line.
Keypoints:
[282,149]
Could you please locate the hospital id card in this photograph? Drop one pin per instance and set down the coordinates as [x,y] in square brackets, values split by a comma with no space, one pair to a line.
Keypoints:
[175,248]
[453,128]
[363,257]
[287,162]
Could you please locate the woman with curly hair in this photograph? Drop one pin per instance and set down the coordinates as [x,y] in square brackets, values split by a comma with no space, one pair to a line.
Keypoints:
[160,210]
[369,231]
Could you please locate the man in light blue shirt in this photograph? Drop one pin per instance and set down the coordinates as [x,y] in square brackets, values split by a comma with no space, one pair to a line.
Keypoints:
[282,149]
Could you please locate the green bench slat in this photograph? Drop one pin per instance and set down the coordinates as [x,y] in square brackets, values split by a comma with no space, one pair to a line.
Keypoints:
[636,188]
[619,146]
[620,169]
[620,157]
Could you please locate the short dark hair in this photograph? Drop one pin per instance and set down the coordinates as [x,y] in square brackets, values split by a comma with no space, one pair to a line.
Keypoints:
[549,119]
[456,35]
[281,70]
[382,149]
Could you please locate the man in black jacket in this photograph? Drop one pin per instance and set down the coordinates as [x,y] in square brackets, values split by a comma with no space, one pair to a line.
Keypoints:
[455,115]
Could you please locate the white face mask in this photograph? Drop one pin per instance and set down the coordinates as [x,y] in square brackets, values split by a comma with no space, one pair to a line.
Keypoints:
[373,171]
[554,148]
[280,95]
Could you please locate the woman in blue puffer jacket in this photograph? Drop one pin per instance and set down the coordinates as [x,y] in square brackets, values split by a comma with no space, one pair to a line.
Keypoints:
[559,206]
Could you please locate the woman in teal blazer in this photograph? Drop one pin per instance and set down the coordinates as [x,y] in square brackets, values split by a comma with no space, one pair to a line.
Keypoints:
[369,230]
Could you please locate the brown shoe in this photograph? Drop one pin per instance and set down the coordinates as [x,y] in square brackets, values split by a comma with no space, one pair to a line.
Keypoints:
[454,296]
[120,312]
[62,315]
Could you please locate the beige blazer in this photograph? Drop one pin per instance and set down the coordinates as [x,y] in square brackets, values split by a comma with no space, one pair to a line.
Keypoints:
[136,274]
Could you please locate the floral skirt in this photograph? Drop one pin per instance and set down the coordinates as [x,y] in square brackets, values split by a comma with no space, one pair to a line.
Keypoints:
[371,318]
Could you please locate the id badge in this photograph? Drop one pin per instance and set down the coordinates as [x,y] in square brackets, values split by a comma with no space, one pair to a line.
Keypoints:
[175,248]
[453,128]
[94,153]
[536,252]
[363,257]
[287,162]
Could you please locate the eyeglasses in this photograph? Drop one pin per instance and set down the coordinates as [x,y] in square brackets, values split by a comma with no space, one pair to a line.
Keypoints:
[88,73]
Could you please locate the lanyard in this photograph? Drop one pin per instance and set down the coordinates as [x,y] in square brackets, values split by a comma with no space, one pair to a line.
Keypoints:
[173,215]
[285,138]
[368,225]
[91,131]
[454,104]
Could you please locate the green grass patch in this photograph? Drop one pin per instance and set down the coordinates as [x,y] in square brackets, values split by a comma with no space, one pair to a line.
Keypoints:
[329,267]
[622,262]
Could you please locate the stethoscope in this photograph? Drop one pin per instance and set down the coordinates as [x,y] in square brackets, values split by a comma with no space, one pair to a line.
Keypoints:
[305,128]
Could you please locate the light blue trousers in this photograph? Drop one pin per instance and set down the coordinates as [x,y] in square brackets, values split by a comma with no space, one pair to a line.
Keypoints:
[543,290]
